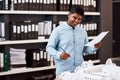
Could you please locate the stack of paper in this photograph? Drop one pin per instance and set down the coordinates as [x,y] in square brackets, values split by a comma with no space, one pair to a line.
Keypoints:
[17,56]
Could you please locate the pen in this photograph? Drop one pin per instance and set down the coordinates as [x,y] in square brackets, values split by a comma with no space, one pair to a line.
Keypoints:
[62,49]
[65,51]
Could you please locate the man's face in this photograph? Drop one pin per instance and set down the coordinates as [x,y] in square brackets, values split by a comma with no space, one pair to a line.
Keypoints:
[74,19]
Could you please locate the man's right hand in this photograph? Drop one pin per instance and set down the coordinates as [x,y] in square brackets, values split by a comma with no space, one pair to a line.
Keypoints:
[64,56]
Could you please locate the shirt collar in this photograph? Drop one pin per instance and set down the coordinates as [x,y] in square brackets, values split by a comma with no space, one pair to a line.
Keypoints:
[68,26]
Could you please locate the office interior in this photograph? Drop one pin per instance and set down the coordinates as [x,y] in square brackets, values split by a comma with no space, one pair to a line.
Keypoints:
[32,62]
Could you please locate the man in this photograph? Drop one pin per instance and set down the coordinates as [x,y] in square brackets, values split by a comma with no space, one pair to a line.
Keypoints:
[67,42]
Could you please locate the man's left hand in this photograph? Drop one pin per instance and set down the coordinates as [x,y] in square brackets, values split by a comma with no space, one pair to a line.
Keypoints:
[97,45]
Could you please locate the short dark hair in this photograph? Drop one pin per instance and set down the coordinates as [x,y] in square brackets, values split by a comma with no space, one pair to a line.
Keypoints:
[77,9]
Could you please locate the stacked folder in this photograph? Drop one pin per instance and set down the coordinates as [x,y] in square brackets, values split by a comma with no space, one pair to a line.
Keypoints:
[17,57]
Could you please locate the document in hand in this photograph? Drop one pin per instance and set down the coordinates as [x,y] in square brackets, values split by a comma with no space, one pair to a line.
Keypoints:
[97,39]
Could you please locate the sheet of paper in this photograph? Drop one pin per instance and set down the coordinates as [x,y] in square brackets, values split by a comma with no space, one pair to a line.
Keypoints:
[97,38]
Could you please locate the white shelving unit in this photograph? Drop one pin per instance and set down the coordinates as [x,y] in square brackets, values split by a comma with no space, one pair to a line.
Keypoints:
[8,42]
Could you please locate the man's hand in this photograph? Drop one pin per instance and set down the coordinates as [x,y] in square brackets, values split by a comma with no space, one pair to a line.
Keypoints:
[97,45]
[64,56]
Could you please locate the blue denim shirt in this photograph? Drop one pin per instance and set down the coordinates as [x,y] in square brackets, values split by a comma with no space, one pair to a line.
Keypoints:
[72,41]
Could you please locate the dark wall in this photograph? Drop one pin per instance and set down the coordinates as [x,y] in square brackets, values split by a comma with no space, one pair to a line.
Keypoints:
[116,29]
[106,25]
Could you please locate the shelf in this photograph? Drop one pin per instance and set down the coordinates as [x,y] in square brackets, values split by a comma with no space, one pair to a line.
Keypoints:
[96,61]
[29,41]
[116,1]
[25,70]
[23,41]
[44,12]
[93,13]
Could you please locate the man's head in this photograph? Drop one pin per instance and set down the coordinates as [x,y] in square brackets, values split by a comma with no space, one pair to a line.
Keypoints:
[75,16]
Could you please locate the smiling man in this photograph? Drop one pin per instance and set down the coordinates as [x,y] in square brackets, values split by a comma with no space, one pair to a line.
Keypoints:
[67,43]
